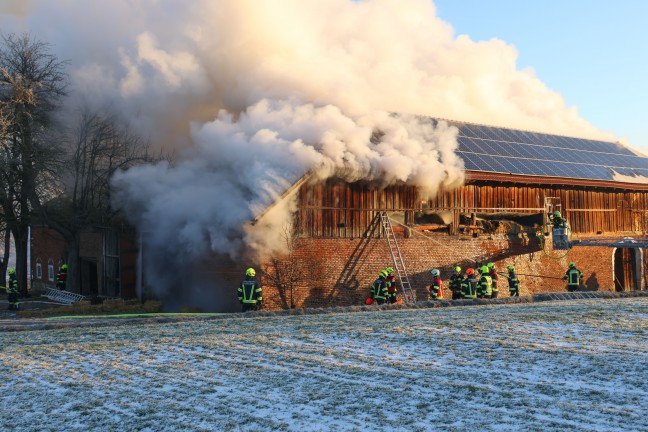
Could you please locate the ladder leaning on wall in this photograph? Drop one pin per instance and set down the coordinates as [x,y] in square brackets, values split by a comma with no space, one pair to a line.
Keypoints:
[397,258]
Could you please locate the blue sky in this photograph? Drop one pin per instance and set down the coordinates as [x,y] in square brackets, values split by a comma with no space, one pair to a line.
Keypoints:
[594,53]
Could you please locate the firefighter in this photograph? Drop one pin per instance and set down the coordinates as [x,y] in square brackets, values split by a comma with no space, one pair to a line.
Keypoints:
[493,275]
[12,290]
[514,283]
[436,287]
[61,277]
[557,220]
[469,285]
[455,283]
[485,287]
[574,277]
[249,292]
[390,280]
[379,291]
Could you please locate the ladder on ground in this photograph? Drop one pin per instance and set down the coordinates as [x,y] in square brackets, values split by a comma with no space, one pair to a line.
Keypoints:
[572,295]
[397,258]
[65,297]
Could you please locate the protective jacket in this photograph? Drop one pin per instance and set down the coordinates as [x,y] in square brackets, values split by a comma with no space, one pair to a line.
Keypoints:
[455,285]
[61,278]
[379,289]
[436,288]
[494,276]
[249,292]
[12,292]
[485,288]
[469,287]
[558,221]
[574,278]
[514,284]
[391,288]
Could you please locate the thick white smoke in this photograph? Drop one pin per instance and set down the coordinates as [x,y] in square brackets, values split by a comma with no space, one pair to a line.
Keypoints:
[256,93]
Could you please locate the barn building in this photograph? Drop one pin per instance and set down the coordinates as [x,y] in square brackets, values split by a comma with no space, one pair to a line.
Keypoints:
[514,180]
[107,260]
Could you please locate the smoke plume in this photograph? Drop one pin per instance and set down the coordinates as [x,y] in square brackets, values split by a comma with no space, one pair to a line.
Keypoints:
[255,93]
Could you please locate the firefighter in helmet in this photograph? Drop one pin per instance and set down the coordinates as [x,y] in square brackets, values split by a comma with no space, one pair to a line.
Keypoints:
[574,277]
[379,290]
[514,283]
[455,283]
[249,292]
[485,287]
[390,280]
[557,220]
[436,286]
[493,275]
[13,294]
[61,277]
[469,285]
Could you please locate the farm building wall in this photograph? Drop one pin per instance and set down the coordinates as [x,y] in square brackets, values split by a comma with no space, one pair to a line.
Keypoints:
[336,209]
[48,251]
[340,271]
[341,246]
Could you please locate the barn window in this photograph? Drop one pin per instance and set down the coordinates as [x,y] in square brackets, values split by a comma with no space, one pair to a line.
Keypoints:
[39,270]
[50,270]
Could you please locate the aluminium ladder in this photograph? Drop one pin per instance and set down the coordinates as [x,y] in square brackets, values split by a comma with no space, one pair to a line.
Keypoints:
[64,297]
[397,258]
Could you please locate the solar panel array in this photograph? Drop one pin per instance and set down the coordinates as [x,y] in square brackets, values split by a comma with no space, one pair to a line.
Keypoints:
[510,151]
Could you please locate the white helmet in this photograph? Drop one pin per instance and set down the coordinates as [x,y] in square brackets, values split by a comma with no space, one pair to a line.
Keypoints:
[435,272]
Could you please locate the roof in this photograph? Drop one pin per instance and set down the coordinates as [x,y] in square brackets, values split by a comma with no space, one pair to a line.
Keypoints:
[518,152]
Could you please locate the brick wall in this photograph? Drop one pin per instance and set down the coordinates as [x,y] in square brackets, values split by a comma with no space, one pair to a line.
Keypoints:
[47,249]
[340,271]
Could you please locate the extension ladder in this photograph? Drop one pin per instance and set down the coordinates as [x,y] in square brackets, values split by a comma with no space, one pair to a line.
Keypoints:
[397,258]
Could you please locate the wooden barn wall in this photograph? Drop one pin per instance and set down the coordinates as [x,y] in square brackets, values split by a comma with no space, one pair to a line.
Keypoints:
[343,210]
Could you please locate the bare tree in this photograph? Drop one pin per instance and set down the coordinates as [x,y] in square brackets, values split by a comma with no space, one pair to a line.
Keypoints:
[97,145]
[286,272]
[293,272]
[32,82]
[4,230]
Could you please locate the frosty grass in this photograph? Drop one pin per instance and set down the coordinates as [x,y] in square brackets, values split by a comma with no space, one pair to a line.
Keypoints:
[578,365]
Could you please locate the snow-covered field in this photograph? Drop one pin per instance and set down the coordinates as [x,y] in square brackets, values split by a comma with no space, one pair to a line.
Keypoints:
[578,365]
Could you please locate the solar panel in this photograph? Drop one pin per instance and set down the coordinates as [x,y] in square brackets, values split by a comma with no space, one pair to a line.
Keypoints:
[503,150]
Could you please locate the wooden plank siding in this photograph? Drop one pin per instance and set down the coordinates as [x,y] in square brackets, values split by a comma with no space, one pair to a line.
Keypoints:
[347,210]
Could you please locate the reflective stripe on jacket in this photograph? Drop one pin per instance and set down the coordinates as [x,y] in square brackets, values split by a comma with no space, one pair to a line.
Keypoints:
[379,289]
[249,292]
[469,287]
[574,276]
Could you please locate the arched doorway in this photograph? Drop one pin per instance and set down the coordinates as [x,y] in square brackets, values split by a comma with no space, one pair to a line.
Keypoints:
[626,269]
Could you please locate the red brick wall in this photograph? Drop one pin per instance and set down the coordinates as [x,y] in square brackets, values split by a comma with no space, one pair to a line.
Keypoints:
[47,244]
[47,247]
[343,269]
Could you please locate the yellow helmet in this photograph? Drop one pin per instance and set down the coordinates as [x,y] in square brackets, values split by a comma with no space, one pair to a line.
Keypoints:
[250,272]
[64,267]
[483,270]
[458,269]
[11,270]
